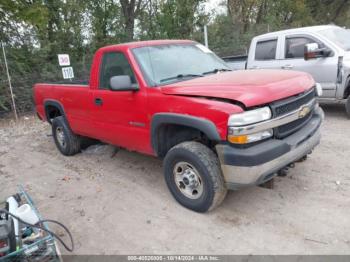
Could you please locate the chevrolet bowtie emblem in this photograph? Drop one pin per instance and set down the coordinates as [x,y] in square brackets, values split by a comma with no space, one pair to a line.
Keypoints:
[304,111]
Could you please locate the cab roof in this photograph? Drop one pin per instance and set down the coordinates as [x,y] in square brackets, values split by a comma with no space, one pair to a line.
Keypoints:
[310,29]
[148,43]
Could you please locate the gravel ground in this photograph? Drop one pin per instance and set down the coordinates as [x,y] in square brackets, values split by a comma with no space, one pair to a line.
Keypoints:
[119,204]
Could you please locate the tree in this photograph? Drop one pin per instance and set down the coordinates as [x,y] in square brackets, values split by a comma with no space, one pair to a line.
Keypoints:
[106,22]
[329,11]
[131,9]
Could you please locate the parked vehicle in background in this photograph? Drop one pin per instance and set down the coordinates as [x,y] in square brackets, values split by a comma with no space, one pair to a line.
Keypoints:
[322,51]
[238,62]
[216,130]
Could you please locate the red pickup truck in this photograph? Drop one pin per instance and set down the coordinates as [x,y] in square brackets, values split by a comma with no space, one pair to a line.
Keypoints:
[175,99]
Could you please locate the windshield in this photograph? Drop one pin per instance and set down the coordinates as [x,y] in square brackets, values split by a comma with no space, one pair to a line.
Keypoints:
[339,36]
[166,64]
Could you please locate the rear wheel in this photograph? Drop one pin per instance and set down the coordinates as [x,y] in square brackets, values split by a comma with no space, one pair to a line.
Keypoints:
[66,141]
[193,176]
[347,106]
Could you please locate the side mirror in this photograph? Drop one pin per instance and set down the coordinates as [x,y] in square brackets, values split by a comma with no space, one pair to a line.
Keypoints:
[313,51]
[122,83]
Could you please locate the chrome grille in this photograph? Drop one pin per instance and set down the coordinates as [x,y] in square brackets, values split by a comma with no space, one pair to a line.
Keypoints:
[288,105]
[285,106]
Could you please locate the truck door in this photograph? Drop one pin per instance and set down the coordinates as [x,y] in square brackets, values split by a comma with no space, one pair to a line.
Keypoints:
[119,117]
[323,69]
[263,54]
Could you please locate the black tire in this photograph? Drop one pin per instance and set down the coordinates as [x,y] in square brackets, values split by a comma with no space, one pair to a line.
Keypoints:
[71,144]
[203,160]
[347,107]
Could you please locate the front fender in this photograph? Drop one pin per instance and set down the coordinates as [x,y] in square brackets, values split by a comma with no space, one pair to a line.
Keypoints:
[201,124]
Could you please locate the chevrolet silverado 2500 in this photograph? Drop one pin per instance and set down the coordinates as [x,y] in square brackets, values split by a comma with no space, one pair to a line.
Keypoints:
[175,99]
[322,51]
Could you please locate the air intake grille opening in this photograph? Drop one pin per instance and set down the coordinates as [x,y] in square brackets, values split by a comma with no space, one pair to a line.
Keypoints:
[288,105]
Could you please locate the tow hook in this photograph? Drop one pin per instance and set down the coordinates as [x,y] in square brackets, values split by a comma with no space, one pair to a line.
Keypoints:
[284,171]
[270,184]
[304,158]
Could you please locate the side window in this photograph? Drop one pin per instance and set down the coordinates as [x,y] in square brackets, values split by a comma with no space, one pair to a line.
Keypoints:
[114,64]
[295,46]
[266,50]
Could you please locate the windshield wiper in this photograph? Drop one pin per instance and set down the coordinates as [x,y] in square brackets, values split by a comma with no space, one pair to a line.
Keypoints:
[180,76]
[216,70]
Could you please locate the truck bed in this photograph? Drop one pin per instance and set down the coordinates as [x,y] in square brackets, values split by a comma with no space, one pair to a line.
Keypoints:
[74,97]
[68,82]
[238,62]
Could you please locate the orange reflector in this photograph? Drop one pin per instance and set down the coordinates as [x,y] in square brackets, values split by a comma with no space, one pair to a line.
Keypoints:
[237,139]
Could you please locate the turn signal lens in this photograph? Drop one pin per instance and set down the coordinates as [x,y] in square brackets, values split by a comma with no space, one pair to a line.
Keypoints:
[238,139]
[245,139]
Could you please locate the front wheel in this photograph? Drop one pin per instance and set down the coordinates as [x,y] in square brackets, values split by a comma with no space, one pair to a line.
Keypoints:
[193,175]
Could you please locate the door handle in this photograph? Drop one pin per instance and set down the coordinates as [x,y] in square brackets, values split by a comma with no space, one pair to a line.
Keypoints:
[287,67]
[98,101]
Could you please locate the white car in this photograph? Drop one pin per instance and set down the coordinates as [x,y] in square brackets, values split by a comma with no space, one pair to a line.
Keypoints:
[322,51]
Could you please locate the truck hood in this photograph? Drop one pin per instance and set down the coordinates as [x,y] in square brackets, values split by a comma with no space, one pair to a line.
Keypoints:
[250,87]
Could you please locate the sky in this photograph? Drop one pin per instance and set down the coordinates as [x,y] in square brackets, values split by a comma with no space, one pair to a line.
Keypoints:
[214,5]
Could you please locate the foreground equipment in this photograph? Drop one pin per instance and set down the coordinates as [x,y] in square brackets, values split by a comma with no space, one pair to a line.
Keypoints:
[24,235]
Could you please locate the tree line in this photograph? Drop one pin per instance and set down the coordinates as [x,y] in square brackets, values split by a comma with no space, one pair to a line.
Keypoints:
[35,31]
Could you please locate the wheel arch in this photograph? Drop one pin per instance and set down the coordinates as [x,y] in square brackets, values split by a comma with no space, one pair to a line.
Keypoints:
[168,129]
[53,109]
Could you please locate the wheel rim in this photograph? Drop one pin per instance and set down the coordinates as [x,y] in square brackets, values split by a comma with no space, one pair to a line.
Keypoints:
[188,180]
[61,138]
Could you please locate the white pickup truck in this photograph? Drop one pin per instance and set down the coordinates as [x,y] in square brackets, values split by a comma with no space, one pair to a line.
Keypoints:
[322,51]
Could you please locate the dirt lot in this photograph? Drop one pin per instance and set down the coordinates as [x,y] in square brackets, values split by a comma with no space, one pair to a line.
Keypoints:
[120,204]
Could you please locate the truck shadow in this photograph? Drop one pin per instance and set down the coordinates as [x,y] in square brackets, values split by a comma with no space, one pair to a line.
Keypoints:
[334,110]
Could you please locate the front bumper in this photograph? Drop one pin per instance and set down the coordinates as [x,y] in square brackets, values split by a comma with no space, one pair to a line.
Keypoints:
[257,164]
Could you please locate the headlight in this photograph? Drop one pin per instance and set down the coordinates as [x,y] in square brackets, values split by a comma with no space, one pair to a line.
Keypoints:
[318,89]
[250,117]
[245,139]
